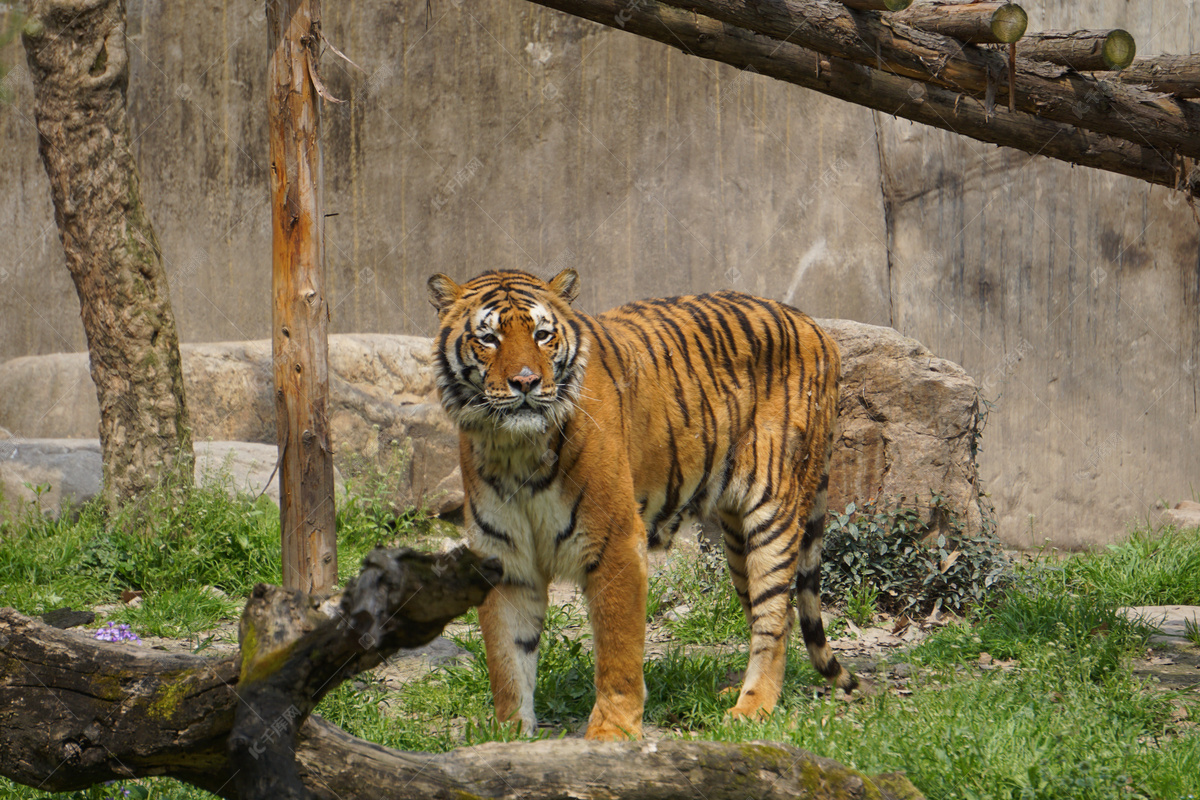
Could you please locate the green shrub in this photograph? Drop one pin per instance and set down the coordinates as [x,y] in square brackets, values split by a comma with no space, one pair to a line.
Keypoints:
[913,569]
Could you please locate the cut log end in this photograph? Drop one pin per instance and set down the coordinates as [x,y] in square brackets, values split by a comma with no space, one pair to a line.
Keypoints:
[1119,49]
[1008,23]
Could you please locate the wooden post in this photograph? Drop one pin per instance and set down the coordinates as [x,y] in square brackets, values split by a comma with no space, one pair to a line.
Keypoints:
[300,314]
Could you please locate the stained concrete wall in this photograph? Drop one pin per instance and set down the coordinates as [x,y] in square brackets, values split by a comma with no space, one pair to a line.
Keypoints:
[493,134]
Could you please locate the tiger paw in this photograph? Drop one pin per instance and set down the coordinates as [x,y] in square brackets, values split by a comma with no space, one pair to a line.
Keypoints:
[612,733]
[602,729]
[747,709]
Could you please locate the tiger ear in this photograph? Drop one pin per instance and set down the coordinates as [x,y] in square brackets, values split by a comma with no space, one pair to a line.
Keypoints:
[442,291]
[566,284]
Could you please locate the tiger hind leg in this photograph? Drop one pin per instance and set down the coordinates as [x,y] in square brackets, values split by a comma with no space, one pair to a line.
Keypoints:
[770,541]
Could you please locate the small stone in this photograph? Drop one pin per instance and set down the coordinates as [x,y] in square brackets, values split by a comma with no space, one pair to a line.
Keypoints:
[902,670]
[677,613]
[985,659]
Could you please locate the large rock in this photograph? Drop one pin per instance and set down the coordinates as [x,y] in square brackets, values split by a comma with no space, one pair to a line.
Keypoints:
[383,406]
[49,473]
[909,424]
[1184,515]
[909,420]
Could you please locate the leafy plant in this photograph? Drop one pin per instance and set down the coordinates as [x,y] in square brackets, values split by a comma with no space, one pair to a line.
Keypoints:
[860,603]
[911,567]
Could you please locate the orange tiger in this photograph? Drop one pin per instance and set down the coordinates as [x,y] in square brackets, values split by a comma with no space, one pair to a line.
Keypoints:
[585,440]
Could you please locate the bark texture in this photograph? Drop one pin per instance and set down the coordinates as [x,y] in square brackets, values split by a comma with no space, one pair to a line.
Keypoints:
[978,23]
[1048,91]
[300,313]
[927,102]
[80,70]
[1082,50]
[75,711]
[1176,75]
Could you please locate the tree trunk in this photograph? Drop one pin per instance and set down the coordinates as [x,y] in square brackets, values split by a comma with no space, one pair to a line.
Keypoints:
[77,57]
[1048,91]
[75,711]
[300,313]
[892,94]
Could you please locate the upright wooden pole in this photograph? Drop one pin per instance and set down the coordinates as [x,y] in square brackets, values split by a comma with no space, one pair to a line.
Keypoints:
[300,314]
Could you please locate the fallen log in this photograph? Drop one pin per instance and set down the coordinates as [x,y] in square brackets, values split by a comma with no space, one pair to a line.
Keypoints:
[1174,75]
[75,711]
[1048,91]
[1088,51]
[889,93]
[976,23]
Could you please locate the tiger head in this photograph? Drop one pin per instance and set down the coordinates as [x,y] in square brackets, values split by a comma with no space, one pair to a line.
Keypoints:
[509,352]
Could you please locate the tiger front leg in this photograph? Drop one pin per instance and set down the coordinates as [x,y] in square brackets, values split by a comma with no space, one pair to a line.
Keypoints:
[511,619]
[616,594]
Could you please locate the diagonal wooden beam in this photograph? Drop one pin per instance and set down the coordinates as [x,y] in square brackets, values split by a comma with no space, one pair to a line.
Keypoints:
[931,104]
[1050,91]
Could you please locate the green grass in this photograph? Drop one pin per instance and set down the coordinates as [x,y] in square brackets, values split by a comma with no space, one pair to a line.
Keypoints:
[1146,569]
[1065,719]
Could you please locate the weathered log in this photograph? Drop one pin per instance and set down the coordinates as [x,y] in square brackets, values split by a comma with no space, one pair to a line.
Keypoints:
[1048,91]
[877,5]
[293,655]
[75,711]
[1082,50]
[977,23]
[883,91]
[1176,75]
[300,313]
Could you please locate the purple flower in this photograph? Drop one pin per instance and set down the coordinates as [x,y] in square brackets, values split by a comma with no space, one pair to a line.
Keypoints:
[113,632]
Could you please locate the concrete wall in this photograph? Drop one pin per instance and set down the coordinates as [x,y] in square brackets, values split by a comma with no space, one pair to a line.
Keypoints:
[494,134]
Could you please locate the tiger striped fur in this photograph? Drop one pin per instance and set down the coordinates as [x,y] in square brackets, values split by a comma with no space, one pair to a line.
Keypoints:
[585,440]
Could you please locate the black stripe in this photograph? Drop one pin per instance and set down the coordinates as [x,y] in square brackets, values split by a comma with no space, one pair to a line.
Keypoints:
[530,645]
[814,634]
[809,582]
[488,530]
[774,591]
[569,531]
[814,530]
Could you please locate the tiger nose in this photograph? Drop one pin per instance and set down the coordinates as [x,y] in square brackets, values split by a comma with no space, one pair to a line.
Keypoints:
[525,381]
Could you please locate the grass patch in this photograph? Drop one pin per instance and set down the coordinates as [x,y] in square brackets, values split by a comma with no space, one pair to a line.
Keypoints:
[1068,720]
[1147,569]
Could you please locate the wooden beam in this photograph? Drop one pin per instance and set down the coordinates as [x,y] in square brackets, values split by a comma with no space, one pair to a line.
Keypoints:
[1175,75]
[300,314]
[1048,91]
[892,94]
[976,23]
[1086,51]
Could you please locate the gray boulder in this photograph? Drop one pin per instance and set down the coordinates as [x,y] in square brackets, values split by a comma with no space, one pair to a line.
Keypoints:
[50,474]
[909,423]
[909,420]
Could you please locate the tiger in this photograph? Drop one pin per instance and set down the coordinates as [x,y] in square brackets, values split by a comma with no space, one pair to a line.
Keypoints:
[585,440]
